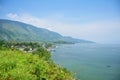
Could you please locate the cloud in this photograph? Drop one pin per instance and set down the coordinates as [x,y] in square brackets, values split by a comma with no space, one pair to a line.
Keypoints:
[29,19]
[102,31]
[12,16]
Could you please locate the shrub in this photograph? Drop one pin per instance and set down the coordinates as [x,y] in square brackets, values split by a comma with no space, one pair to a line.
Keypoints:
[15,65]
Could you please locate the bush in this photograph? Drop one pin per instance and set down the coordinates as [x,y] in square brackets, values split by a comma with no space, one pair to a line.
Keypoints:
[26,49]
[15,65]
[42,53]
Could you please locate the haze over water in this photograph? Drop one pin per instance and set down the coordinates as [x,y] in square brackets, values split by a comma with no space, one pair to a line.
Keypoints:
[90,61]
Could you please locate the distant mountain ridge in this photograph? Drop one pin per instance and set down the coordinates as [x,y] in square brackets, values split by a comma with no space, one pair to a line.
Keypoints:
[18,31]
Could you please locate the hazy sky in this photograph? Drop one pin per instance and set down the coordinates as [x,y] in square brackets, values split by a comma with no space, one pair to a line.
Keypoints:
[95,20]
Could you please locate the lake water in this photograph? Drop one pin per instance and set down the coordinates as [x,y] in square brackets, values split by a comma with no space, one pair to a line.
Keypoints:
[90,61]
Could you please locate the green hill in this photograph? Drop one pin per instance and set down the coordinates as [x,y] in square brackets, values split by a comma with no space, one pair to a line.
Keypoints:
[18,31]
[36,65]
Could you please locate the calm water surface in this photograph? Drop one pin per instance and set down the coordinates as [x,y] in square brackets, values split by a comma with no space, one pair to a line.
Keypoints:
[90,61]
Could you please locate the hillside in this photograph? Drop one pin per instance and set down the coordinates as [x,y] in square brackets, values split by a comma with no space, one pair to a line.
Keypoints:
[18,31]
[36,65]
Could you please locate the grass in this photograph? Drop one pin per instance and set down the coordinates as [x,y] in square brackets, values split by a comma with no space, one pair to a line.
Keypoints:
[17,65]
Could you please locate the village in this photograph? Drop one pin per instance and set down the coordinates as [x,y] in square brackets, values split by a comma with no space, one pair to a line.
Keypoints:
[29,46]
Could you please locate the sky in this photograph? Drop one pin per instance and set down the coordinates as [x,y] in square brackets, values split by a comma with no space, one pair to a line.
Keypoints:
[95,20]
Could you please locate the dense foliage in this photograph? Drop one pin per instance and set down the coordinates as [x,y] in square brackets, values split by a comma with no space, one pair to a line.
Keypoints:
[17,65]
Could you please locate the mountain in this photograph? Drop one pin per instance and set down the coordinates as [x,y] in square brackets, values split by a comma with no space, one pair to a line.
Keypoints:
[18,31]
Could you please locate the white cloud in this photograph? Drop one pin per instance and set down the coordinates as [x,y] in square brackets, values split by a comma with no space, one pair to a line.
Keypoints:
[103,31]
[12,16]
[29,19]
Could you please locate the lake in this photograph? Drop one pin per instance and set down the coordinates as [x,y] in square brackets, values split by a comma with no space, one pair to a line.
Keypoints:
[90,61]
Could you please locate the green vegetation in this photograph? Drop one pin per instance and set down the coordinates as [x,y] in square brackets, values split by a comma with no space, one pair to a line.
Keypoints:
[63,42]
[18,65]
[21,32]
